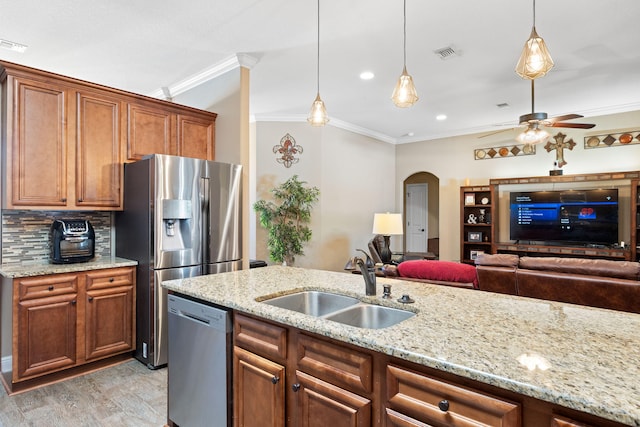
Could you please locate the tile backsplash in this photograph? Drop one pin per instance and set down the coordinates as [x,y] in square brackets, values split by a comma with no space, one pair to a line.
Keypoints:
[25,234]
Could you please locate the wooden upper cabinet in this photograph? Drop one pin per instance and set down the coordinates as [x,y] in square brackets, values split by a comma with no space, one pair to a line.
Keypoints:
[150,130]
[36,144]
[172,130]
[99,171]
[196,134]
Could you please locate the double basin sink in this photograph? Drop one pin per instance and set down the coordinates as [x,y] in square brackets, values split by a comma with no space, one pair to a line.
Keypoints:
[341,308]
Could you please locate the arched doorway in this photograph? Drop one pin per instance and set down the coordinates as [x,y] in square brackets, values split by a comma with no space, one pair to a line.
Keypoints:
[421,207]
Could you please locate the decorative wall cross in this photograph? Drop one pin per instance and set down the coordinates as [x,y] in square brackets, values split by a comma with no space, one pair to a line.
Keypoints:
[287,150]
[559,146]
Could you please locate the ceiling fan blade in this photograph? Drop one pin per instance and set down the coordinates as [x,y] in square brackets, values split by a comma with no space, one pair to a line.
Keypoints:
[572,125]
[565,117]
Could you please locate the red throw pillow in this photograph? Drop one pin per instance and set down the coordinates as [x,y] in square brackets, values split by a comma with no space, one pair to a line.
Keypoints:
[446,271]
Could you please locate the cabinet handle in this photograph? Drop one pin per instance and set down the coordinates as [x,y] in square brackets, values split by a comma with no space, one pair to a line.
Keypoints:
[73,302]
[64,200]
[80,200]
[295,387]
[443,405]
[51,287]
[111,279]
[90,298]
[275,380]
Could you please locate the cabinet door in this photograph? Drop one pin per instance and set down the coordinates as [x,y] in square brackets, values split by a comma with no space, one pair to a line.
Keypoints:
[320,404]
[98,150]
[46,335]
[109,325]
[416,398]
[196,136]
[150,130]
[258,392]
[37,144]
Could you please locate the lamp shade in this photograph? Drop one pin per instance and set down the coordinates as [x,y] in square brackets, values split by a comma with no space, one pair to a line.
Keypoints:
[387,224]
[533,135]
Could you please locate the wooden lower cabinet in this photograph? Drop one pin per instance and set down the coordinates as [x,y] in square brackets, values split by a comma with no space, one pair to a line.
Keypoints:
[66,320]
[320,404]
[284,376]
[46,334]
[414,398]
[259,390]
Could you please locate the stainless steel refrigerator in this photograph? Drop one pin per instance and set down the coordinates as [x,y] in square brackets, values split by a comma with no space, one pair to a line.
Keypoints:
[181,218]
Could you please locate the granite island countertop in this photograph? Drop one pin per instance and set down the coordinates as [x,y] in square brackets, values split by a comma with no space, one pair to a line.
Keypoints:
[577,357]
[13,271]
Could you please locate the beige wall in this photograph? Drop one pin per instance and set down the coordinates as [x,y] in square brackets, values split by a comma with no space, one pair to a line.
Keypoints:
[355,175]
[452,161]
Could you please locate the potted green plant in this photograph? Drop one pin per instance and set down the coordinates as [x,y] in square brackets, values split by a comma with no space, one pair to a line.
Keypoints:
[287,219]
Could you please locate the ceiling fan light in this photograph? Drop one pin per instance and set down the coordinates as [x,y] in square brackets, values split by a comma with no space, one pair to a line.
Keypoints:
[535,60]
[318,114]
[404,94]
[533,135]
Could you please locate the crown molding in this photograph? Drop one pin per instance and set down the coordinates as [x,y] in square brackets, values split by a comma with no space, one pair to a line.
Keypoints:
[332,122]
[230,63]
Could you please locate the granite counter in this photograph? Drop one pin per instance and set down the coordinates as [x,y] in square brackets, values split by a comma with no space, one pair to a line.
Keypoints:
[13,271]
[577,357]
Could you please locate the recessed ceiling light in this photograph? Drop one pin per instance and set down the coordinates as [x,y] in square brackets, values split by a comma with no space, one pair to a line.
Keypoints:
[409,134]
[16,47]
[441,117]
[367,75]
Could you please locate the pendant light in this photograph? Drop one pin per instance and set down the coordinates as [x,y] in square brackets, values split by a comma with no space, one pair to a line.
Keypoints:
[404,95]
[535,60]
[318,115]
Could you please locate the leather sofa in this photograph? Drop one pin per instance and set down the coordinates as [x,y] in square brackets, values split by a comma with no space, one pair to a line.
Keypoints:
[593,282]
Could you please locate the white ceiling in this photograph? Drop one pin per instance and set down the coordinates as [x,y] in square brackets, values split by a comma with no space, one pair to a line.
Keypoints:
[144,45]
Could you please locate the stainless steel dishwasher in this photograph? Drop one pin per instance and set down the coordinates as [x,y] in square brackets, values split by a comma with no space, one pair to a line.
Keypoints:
[199,364]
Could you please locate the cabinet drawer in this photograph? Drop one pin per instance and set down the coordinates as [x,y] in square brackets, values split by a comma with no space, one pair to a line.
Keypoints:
[263,338]
[109,278]
[46,286]
[336,364]
[432,401]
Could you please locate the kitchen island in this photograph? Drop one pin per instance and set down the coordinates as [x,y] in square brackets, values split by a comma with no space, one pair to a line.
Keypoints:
[574,357]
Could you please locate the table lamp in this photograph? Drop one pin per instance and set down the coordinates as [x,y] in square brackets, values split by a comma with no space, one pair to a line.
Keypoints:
[387,224]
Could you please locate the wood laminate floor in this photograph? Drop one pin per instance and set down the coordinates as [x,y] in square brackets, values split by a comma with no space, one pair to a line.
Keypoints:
[128,394]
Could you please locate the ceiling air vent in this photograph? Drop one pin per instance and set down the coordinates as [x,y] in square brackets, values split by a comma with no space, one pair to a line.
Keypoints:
[446,52]
[16,47]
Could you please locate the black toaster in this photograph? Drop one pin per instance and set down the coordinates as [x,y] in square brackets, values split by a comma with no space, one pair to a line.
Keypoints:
[71,240]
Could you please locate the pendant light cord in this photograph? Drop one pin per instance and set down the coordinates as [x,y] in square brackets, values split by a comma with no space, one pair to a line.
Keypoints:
[534,13]
[318,52]
[404,34]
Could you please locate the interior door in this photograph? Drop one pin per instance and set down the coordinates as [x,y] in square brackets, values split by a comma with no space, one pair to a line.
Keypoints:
[416,217]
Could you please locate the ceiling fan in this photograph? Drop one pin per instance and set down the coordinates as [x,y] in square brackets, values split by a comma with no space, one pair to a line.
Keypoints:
[536,121]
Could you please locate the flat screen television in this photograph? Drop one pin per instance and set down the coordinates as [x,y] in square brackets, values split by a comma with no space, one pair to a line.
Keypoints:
[565,217]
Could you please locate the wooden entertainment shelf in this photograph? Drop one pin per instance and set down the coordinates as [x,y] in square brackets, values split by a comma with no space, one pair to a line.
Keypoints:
[491,244]
[562,251]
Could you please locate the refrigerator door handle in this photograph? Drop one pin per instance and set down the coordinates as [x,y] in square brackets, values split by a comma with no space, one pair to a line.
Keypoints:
[204,213]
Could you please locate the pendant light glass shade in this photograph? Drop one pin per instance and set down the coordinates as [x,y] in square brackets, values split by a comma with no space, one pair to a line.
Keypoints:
[318,115]
[535,60]
[533,135]
[404,94]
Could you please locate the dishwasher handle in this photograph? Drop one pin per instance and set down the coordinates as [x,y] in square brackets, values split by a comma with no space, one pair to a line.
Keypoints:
[205,315]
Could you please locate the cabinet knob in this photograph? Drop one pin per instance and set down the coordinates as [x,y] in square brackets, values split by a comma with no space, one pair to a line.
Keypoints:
[73,302]
[275,380]
[64,200]
[443,405]
[295,387]
[51,287]
[80,200]
[90,298]
[111,279]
